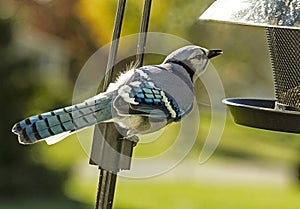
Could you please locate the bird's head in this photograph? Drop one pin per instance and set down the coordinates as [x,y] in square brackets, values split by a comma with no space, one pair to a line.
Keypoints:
[194,59]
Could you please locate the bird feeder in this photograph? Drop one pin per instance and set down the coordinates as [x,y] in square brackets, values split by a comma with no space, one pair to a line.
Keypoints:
[281,18]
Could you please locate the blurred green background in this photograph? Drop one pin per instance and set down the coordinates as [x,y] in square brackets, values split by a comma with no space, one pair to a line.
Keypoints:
[43,46]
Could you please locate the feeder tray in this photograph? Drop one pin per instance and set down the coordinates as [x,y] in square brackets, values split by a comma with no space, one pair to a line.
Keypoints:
[261,113]
[281,18]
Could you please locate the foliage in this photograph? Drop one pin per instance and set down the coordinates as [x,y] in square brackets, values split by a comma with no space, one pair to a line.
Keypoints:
[18,86]
[41,203]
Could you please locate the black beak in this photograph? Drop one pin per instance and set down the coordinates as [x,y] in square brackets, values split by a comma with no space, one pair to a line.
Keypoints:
[214,52]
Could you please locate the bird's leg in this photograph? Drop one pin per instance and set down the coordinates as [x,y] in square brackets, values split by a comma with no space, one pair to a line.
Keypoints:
[128,135]
[133,138]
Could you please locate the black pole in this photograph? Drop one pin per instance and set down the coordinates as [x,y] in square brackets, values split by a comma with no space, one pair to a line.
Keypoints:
[107,179]
[106,189]
[115,43]
[143,33]
[108,154]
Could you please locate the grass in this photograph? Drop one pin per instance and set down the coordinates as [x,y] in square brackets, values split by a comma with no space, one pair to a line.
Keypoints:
[153,194]
[159,195]
[150,194]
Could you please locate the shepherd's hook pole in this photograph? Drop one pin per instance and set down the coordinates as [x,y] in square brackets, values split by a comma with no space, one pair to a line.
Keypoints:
[107,179]
[109,168]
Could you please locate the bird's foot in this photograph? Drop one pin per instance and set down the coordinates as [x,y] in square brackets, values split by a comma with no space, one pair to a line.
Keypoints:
[133,138]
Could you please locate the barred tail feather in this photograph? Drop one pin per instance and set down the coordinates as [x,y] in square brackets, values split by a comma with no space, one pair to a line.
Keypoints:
[56,125]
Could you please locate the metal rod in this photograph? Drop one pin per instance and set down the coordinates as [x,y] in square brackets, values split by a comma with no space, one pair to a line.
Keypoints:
[106,188]
[115,43]
[143,33]
[107,180]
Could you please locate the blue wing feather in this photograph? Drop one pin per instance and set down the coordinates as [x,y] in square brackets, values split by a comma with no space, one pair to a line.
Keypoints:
[143,98]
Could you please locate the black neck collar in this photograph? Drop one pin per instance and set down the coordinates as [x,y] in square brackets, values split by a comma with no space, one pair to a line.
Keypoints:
[186,67]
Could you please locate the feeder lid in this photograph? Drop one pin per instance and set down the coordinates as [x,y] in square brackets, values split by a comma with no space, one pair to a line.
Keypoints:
[267,13]
[260,113]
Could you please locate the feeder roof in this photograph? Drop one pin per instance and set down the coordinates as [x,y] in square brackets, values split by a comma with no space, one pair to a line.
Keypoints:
[267,13]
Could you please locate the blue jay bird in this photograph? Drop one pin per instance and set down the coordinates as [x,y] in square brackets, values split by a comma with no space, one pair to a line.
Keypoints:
[142,100]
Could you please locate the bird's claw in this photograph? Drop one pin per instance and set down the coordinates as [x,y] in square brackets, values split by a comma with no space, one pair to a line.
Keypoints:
[134,138]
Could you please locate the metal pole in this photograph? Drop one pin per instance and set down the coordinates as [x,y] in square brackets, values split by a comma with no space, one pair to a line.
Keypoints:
[109,168]
[106,189]
[143,33]
[107,179]
[115,43]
